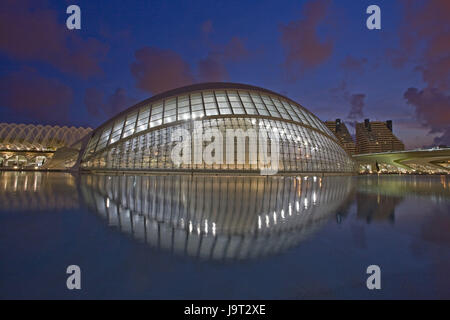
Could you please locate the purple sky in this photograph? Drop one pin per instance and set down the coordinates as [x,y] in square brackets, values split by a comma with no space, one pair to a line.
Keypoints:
[319,53]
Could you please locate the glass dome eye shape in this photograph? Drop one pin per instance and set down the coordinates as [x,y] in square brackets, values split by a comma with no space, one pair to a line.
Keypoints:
[140,138]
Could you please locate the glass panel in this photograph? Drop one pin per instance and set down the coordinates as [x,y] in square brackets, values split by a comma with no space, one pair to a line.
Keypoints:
[196,98]
[197,107]
[211,112]
[156,116]
[210,105]
[244,96]
[155,123]
[169,119]
[157,108]
[197,114]
[182,110]
[237,107]
[208,96]
[232,96]
[220,95]
[183,101]
[170,104]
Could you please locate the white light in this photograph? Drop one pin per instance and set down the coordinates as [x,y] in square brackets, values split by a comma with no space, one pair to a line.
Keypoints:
[206,226]
[107,202]
[275,217]
[214,228]
[267,220]
[315,178]
[282,213]
[290,209]
[259,222]
[314,197]
[305,178]
[190,226]
[297,205]
[306,203]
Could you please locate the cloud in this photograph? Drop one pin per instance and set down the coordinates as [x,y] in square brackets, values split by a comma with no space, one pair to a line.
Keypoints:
[356,106]
[207,28]
[304,47]
[235,50]
[356,100]
[212,68]
[157,70]
[118,101]
[93,99]
[29,93]
[100,105]
[353,64]
[432,109]
[424,36]
[29,33]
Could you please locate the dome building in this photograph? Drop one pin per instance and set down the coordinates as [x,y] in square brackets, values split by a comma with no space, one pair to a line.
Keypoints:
[143,137]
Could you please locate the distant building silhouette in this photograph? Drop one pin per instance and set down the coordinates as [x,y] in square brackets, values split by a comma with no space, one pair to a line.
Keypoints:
[376,136]
[342,134]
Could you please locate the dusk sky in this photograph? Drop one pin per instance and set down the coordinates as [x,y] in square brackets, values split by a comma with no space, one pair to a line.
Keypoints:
[318,53]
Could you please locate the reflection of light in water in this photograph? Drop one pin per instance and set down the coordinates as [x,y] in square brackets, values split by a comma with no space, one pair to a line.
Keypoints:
[214,217]
[34,191]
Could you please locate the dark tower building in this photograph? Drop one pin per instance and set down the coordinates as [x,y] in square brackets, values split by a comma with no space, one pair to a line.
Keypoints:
[341,132]
[376,136]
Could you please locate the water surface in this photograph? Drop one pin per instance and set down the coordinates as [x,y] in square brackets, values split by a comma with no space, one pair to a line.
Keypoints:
[230,237]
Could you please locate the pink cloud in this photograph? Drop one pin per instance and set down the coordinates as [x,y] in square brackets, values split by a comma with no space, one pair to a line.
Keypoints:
[28,33]
[157,70]
[304,47]
[425,37]
[44,99]
[100,105]
[212,68]
[356,106]
[207,27]
[432,108]
[236,50]
[351,63]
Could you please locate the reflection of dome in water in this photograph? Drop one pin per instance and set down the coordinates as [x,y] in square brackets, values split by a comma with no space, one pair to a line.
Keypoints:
[216,217]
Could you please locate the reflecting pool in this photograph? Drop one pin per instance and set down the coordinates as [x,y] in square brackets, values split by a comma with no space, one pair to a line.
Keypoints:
[223,237]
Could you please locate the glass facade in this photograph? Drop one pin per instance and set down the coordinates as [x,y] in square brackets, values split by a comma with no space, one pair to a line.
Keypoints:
[141,138]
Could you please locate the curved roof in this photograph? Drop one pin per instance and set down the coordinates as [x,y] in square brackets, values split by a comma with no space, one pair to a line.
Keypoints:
[30,137]
[191,88]
[202,101]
